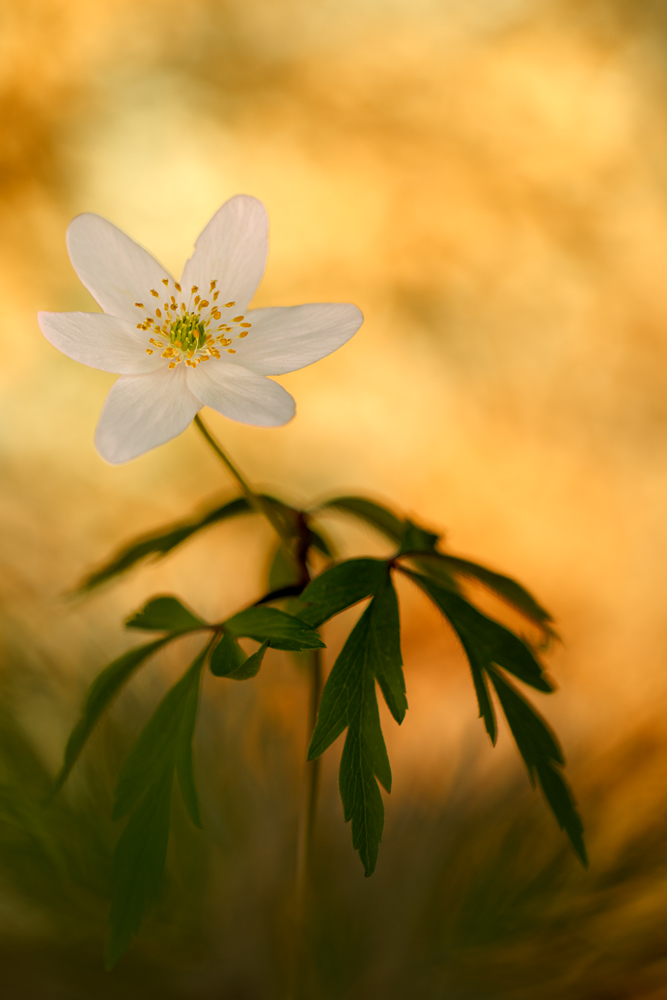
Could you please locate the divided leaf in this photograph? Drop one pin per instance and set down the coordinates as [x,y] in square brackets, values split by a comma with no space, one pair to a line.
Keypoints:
[416,539]
[340,587]
[144,790]
[165,614]
[277,628]
[379,517]
[371,652]
[103,690]
[543,757]
[229,660]
[160,543]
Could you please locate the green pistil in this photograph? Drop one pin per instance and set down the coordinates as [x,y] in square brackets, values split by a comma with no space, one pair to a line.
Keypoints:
[188,333]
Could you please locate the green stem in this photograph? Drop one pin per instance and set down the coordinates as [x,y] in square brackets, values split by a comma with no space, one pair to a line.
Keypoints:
[254,499]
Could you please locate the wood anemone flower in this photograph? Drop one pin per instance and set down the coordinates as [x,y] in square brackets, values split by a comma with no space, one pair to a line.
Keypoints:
[181,345]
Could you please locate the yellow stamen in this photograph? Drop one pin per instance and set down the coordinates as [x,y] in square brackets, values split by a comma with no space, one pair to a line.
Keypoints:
[237,319]
[165,281]
[140,305]
[177,286]
[148,350]
[154,293]
[230,304]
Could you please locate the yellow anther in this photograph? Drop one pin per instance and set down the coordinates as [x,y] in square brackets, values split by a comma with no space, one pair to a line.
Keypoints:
[140,326]
[154,293]
[215,295]
[248,325]
[195,288]
[172,364]
[231,351]
[213,284]
[158,314]
[178,344]
[197,299]
[177,286]
[173,303]
[203,303]
[237,319]
[243,334]
[228,305]
[165,281]
[148,350]
[183,309]
[140,305]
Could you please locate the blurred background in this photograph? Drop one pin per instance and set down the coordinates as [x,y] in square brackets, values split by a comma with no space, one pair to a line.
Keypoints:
[488,182]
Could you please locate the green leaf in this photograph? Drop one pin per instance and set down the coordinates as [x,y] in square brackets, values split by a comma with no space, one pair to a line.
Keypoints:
[340,587]
[384,640]
[160,543]
[165,614]
[280,630]
[103,690]
[372,513]
[349,700]
[504,586]
[543,757]
[227,657]
[164,739]
[284,570]
[485,640]
[416,539]
[138,864]
[251,666]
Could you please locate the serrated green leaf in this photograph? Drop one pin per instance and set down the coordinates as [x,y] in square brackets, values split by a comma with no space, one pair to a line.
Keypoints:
[165,614]
[543,757]
[103,690]
[484,702]
[372,513]
[227,657]
[280,630]
[384,640]
[340,587]
[160,543]
[485,640]
[163,739]
[138,864]
[430,564]
[507,588]
[416,539]
[349,700]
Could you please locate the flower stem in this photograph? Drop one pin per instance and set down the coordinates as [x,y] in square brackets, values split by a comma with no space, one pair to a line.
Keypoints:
[305,839]
[254,499]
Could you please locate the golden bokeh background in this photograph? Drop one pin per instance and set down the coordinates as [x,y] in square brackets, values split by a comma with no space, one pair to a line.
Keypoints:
[488,182]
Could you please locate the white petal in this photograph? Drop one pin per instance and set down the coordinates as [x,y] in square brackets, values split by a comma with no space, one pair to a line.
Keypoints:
[100,341]
[231,250]
[285,338]
[241,394]
[116,271]
[142,412]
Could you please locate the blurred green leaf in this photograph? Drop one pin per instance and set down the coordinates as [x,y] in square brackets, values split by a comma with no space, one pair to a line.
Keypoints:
[543,757]
[103,690]
[349,701]
[138,864]
[165,614]
[160,543]
[280,630]
[416,539]
[166,738]
[340,587]
[250,668]
[507,588]
[485,640]
[227,656]
[372,513]
[284,570]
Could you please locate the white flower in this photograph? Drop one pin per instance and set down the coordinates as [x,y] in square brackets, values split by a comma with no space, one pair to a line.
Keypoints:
[179,346]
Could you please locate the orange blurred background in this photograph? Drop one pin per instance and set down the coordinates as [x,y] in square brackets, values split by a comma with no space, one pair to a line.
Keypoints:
[487,182]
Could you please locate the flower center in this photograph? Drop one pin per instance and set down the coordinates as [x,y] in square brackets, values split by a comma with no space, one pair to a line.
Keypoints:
[190,328]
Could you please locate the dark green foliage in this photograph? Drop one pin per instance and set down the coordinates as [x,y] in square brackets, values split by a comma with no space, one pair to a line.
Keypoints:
[437,563]
[488,645]
[144,790]
[543,757]
[165,614]
[278,629]
[416,539]
[160,543]
[340,587]
[103,690]
[372,513]
[372,651]
[229,660]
